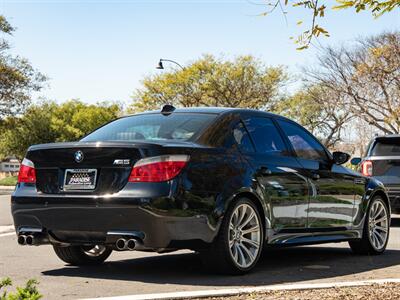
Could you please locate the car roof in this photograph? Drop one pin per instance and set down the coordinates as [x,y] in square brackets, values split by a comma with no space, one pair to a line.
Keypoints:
[388,136]
[215,110]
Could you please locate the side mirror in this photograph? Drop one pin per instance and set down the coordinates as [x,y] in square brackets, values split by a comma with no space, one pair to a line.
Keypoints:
[340,158]
[355,161]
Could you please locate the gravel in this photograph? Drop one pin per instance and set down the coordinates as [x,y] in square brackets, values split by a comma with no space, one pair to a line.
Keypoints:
[388,291]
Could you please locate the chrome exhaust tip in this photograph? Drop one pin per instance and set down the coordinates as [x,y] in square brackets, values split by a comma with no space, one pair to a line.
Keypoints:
[21,239]
[121,244]
[29,240]
[131,244]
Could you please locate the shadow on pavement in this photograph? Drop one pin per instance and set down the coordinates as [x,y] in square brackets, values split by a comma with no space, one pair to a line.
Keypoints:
[285,265]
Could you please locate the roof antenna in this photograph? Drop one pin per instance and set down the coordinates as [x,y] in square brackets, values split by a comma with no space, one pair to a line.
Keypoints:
[167,109]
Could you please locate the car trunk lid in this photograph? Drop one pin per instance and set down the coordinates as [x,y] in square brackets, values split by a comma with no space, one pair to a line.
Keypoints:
[111,162]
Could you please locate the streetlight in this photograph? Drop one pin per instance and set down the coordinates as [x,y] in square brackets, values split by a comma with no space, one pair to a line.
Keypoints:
[160,65]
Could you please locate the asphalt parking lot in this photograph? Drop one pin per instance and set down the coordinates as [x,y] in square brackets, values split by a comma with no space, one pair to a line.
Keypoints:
[127,273]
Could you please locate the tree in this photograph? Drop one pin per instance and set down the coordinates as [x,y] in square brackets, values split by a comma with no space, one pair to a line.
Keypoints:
[367,78]
[18,79]
[319,110]
[49,122]
[243,82]
[317,10]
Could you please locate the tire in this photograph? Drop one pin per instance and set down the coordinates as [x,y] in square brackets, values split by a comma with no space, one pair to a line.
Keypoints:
[368,244]
[78,256]
[233,239]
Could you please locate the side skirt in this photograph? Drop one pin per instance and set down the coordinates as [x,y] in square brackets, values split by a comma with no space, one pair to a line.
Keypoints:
[307,237]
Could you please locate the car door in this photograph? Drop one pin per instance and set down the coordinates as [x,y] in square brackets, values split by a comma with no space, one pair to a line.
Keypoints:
[276,171]
[331,202]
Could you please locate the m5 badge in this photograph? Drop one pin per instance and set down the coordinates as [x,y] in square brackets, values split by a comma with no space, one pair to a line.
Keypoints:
[122,162]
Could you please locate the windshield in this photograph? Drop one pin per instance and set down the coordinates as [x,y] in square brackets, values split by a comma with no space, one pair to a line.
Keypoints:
[148,127]
[386,147]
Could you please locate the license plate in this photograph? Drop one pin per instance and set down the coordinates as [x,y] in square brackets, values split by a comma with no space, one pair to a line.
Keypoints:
[80,179]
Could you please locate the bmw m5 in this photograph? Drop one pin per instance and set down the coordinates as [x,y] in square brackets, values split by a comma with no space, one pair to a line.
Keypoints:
[224,182]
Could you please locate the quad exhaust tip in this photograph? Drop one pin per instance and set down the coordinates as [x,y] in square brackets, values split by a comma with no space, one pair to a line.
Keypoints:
[26,239]
[29,240]
[22,239]
[120,244]
[124,244]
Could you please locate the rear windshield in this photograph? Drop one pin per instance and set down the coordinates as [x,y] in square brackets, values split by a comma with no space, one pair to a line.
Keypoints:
[387,147]
[176,126]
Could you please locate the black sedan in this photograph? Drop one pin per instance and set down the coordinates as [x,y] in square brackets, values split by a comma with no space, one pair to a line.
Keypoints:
[223,182]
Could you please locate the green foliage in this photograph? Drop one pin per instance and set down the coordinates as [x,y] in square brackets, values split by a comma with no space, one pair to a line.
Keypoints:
[29,292]
[242,82]
[317,10]
[18,79]
[5,26]
[8,181]
[50,122]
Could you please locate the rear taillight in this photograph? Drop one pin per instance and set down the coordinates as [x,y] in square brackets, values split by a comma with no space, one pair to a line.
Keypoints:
[366,168]
[157,169]
[27,173]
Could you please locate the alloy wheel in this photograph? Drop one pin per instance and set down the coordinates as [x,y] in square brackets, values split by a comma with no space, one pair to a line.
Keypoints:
[378,225]
[244,235]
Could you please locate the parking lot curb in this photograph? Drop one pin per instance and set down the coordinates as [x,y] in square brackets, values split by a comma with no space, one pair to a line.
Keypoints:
[247,290]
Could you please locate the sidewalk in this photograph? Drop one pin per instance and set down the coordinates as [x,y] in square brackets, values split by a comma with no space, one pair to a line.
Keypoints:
[6,189]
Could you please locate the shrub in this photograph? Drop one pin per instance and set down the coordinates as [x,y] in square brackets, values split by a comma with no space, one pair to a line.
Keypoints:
[29,292]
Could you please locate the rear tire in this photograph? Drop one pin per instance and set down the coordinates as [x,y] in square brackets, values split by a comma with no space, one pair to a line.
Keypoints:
[78,255]
[376,229]
[240,240]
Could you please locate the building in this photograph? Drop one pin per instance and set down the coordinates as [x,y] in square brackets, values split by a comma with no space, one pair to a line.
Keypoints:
[10,165]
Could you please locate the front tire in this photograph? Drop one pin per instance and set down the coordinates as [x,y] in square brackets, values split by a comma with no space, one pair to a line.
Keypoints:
[240,240]
[376,229]
[80,255]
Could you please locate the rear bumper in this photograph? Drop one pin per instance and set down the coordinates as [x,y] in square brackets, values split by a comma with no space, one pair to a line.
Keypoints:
[85,219]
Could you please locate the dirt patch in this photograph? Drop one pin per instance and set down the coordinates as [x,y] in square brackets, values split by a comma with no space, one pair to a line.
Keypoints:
[388,291]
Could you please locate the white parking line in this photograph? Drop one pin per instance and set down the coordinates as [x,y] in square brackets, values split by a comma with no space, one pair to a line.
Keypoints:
[7,234]
[247,290]
[7,228]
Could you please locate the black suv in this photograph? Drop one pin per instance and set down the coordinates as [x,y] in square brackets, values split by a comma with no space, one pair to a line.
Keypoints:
[382,161]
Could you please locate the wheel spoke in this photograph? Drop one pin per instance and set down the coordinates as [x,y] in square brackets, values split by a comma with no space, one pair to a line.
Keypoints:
[383,219]
[255,244]
[248,219]
[251,230]
[241,260]
[381,228]
[379,238]
[378,212]
[242,212]
[375,240]
[248,252]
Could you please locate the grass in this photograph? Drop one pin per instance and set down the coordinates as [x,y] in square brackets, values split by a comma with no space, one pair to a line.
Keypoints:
[9,181]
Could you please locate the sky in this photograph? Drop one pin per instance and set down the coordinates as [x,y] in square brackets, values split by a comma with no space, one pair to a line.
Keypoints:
[100,50]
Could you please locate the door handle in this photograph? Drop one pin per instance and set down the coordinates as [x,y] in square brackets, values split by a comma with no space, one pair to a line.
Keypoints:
[315,176]
[264,171]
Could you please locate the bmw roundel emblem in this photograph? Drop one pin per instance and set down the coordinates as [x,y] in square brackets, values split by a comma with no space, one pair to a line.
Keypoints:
[78,156]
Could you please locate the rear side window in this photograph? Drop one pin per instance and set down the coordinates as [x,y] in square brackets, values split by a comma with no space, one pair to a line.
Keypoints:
[304,144]
[148,127]
[387,147]
[265,136]
[242,138]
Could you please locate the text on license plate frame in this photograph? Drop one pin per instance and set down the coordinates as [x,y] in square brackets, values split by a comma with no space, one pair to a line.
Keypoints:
[82,186]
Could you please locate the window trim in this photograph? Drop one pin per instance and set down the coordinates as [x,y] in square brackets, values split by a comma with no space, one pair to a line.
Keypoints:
[240,121]
[326,151]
